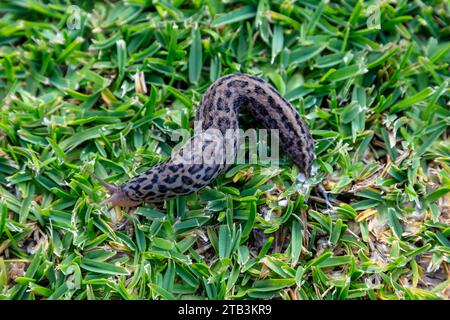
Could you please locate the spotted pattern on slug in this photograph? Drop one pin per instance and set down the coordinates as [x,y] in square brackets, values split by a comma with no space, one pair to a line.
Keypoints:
[219,109]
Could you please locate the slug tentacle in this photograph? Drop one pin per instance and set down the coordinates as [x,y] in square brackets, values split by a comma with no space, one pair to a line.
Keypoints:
[218,113]
[111,187]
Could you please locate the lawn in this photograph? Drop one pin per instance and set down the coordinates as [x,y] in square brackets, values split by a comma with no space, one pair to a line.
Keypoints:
[100,86]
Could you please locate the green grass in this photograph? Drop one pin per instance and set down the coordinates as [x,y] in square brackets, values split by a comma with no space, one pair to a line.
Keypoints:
[375,99]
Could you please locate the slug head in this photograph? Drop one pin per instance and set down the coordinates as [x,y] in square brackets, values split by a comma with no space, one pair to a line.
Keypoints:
[118,196]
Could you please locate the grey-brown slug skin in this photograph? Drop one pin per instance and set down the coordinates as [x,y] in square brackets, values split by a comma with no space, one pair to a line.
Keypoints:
[219,109]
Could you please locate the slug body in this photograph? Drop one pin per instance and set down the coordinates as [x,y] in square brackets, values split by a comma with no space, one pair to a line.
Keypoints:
[219,109]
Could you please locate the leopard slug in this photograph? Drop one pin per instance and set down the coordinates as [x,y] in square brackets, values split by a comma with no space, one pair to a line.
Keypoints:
[219,109]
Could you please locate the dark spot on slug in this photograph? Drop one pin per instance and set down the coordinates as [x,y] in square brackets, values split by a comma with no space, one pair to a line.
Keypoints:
[162,188]
[175,167]
[195,168]
[220,81]
[150,194]
[272,124]
[263,111]
[219,105]
[140,179]
[131,196]
[133,186]
[180,190]
[301,125]
[171,179]
[187,180]
[208,123]
[259,90]
[148,187]
[237,83]
[210,172]
[241,101]
[223,123]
